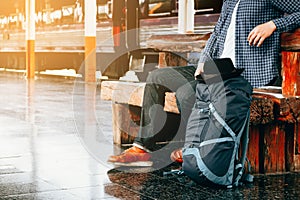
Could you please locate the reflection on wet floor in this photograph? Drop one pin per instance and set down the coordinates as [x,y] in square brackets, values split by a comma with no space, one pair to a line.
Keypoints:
[42,153]
[56,135]
[155,185]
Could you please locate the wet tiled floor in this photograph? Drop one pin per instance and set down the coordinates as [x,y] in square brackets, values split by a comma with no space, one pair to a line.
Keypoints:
[56,135]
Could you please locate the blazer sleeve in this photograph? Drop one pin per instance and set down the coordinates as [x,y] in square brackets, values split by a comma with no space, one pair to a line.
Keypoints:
[290,21]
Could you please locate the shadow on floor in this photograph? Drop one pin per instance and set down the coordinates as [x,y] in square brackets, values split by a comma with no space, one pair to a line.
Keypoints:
[144,183]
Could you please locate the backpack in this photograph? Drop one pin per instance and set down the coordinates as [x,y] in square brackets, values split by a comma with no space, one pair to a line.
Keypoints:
[217,133]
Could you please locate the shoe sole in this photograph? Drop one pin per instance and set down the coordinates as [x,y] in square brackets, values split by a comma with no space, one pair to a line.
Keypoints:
[134,164]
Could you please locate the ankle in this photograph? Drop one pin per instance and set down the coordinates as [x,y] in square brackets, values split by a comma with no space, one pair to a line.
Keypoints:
[140,147]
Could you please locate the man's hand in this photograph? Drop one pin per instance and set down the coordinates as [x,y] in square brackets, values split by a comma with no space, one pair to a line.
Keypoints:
[199,69]
[176,155]
[261,32]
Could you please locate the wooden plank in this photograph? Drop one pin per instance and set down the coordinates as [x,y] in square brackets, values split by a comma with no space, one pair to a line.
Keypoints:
[132,94]
[291,73]
[115,124]
[286,109]
[292,146]
[265,106]
[296,150]
[123,92]
[274,148]
[292,108]
[170,103]
[280,152]
[291,157]
[253,149]
[291,41]
[261,110]
[125,125]
[183,43]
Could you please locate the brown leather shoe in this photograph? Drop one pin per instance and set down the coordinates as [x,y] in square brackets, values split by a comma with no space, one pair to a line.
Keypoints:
[176,156]
[133,156]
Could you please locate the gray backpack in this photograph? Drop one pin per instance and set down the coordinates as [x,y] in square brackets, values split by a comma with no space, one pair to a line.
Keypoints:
[217,133]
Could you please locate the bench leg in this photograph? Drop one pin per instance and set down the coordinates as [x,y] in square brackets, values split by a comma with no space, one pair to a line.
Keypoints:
[267,150]
[253,148]
[125,123]
[292,146]
[273,149]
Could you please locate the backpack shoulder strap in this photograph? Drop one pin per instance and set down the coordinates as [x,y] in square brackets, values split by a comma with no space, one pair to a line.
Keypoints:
[221,121]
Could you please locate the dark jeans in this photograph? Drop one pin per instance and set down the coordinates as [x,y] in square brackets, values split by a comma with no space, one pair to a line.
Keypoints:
[157,125]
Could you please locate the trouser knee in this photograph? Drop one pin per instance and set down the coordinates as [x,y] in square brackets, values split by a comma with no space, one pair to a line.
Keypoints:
[185,97]
[155,76]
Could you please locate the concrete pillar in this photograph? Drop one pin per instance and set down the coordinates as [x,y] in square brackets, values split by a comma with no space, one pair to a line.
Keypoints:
[30,38]
[186,16]
[90,40]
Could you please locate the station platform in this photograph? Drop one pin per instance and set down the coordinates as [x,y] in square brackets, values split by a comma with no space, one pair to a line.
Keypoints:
[55,138]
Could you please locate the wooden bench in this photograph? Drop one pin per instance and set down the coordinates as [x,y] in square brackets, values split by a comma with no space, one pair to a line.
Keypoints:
[272,142]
